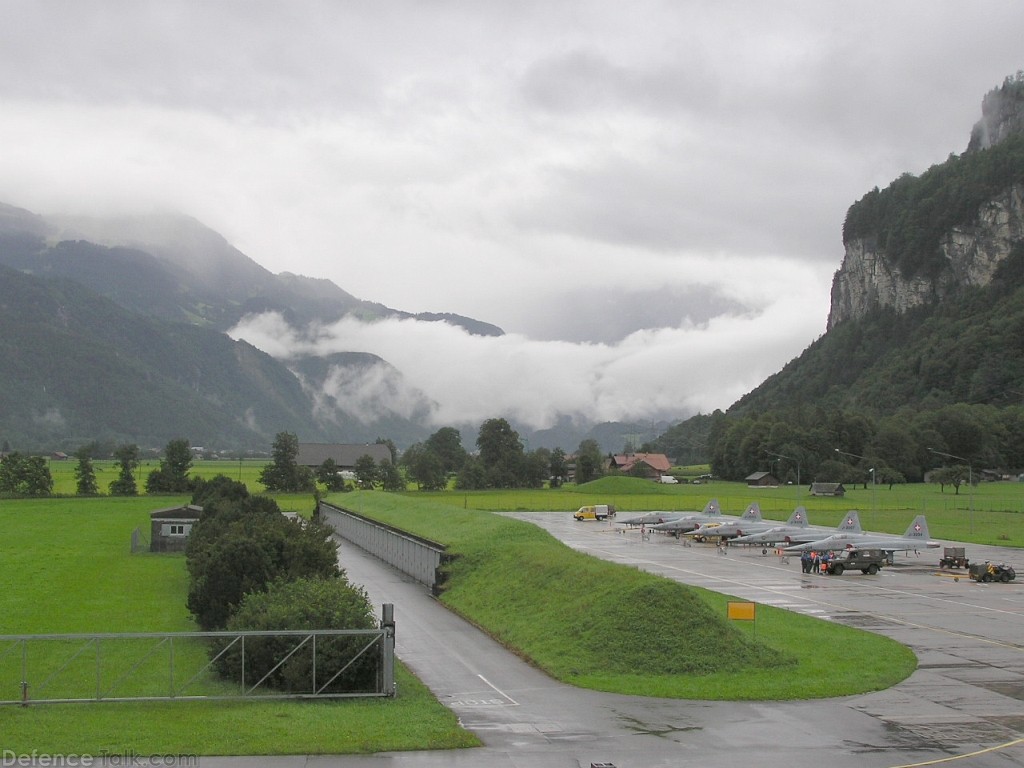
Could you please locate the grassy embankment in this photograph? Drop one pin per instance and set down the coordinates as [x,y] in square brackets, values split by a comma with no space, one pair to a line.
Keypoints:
[68,569]
[609,627]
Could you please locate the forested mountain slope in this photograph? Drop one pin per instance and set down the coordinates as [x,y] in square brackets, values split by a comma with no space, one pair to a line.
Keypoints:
[77,367]
[924,351]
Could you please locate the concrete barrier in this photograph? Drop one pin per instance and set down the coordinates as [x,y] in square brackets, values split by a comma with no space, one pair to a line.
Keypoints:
[414,556]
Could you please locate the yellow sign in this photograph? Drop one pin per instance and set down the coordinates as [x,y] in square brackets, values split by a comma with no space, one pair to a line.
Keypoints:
[741,611]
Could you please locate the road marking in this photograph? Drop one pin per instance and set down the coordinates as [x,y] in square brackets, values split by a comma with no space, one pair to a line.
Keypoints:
[499,691]
[996,748]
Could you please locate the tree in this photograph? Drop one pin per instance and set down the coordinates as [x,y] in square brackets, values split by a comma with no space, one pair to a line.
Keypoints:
[588,461]
[236,565]
[427,469]
[558,467]
[127,457]
[242,543]
[25,475]
[284,473]
[501,454]
[956,476]
[172,475]
[366,472]
[85,474]
[391,478]
[472,476]
[535,468]
[329,474]
[446,443]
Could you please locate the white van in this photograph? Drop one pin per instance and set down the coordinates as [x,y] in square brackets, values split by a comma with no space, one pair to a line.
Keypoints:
[668,480]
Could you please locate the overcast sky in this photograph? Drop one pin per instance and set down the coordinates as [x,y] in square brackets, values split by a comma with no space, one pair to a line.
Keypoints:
[647,197]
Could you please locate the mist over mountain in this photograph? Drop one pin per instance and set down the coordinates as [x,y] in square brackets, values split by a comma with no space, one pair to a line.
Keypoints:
[115,329]
[148,328]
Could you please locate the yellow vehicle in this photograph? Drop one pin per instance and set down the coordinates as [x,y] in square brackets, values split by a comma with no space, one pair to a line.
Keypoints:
[594,512]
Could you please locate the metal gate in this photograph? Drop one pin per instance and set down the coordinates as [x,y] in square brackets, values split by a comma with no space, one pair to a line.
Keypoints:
[143,666]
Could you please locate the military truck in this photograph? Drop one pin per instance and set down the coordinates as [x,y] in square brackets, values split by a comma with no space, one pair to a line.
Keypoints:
[864,560]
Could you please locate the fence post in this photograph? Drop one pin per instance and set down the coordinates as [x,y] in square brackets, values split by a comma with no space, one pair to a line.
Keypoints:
[387,623]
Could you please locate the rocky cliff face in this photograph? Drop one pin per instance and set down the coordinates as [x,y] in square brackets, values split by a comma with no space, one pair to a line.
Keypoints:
[868,279]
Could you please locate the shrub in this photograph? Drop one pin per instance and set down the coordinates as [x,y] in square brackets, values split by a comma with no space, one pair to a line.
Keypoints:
[306,603]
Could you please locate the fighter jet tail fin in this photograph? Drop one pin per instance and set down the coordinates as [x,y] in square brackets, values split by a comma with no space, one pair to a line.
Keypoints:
[850,523]
[753,512]
[798,518]
[918,529]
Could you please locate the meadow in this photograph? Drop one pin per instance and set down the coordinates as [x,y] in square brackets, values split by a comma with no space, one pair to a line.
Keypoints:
[69,569]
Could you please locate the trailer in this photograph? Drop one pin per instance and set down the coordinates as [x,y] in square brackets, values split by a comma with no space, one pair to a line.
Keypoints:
[954,557]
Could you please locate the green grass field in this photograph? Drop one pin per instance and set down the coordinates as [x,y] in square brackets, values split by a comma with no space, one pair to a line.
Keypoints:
[69,569]
[246,471]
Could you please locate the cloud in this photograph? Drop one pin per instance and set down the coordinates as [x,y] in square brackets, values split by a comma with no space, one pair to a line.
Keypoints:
[664,186]
[460,378]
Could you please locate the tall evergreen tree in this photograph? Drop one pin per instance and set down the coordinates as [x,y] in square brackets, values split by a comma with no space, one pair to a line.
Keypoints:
[85,473]
[127,457]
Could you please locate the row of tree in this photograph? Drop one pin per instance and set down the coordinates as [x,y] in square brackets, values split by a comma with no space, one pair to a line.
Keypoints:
[952,444]
[501,461]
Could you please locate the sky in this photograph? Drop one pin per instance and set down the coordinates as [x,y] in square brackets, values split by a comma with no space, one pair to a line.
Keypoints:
[647,198]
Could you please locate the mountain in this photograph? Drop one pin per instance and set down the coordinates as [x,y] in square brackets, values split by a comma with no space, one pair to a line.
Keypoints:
[926,239]
[925,338]
[175,268]
[926,301]
[78,367]
[114,331]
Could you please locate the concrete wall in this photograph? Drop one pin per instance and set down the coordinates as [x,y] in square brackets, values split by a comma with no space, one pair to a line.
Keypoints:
[412,555]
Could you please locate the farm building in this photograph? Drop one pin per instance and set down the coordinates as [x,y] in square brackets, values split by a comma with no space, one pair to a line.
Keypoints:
[345,455]
[761,480]
[169,528]
[649,464]
[827,489]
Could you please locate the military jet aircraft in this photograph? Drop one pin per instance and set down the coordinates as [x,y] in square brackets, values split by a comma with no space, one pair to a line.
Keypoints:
[916,537]
[749,522]
[652,518]
[687,522]
[798,530]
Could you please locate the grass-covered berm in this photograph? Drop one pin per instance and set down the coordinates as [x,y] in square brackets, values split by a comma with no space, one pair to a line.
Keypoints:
[610,627]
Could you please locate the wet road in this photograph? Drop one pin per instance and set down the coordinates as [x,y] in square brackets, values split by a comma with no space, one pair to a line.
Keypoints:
[964,704]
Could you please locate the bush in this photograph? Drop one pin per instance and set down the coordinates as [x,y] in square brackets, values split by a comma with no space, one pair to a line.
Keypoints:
[242,544]
[307,603]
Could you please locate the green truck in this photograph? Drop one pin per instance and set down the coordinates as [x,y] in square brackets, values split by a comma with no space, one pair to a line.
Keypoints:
[868,561]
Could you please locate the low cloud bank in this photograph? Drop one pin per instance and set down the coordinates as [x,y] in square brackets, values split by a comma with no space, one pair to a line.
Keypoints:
[453,377]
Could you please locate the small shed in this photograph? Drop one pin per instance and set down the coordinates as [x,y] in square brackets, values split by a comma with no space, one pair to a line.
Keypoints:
[762,480]
[169,528]
[827,489]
